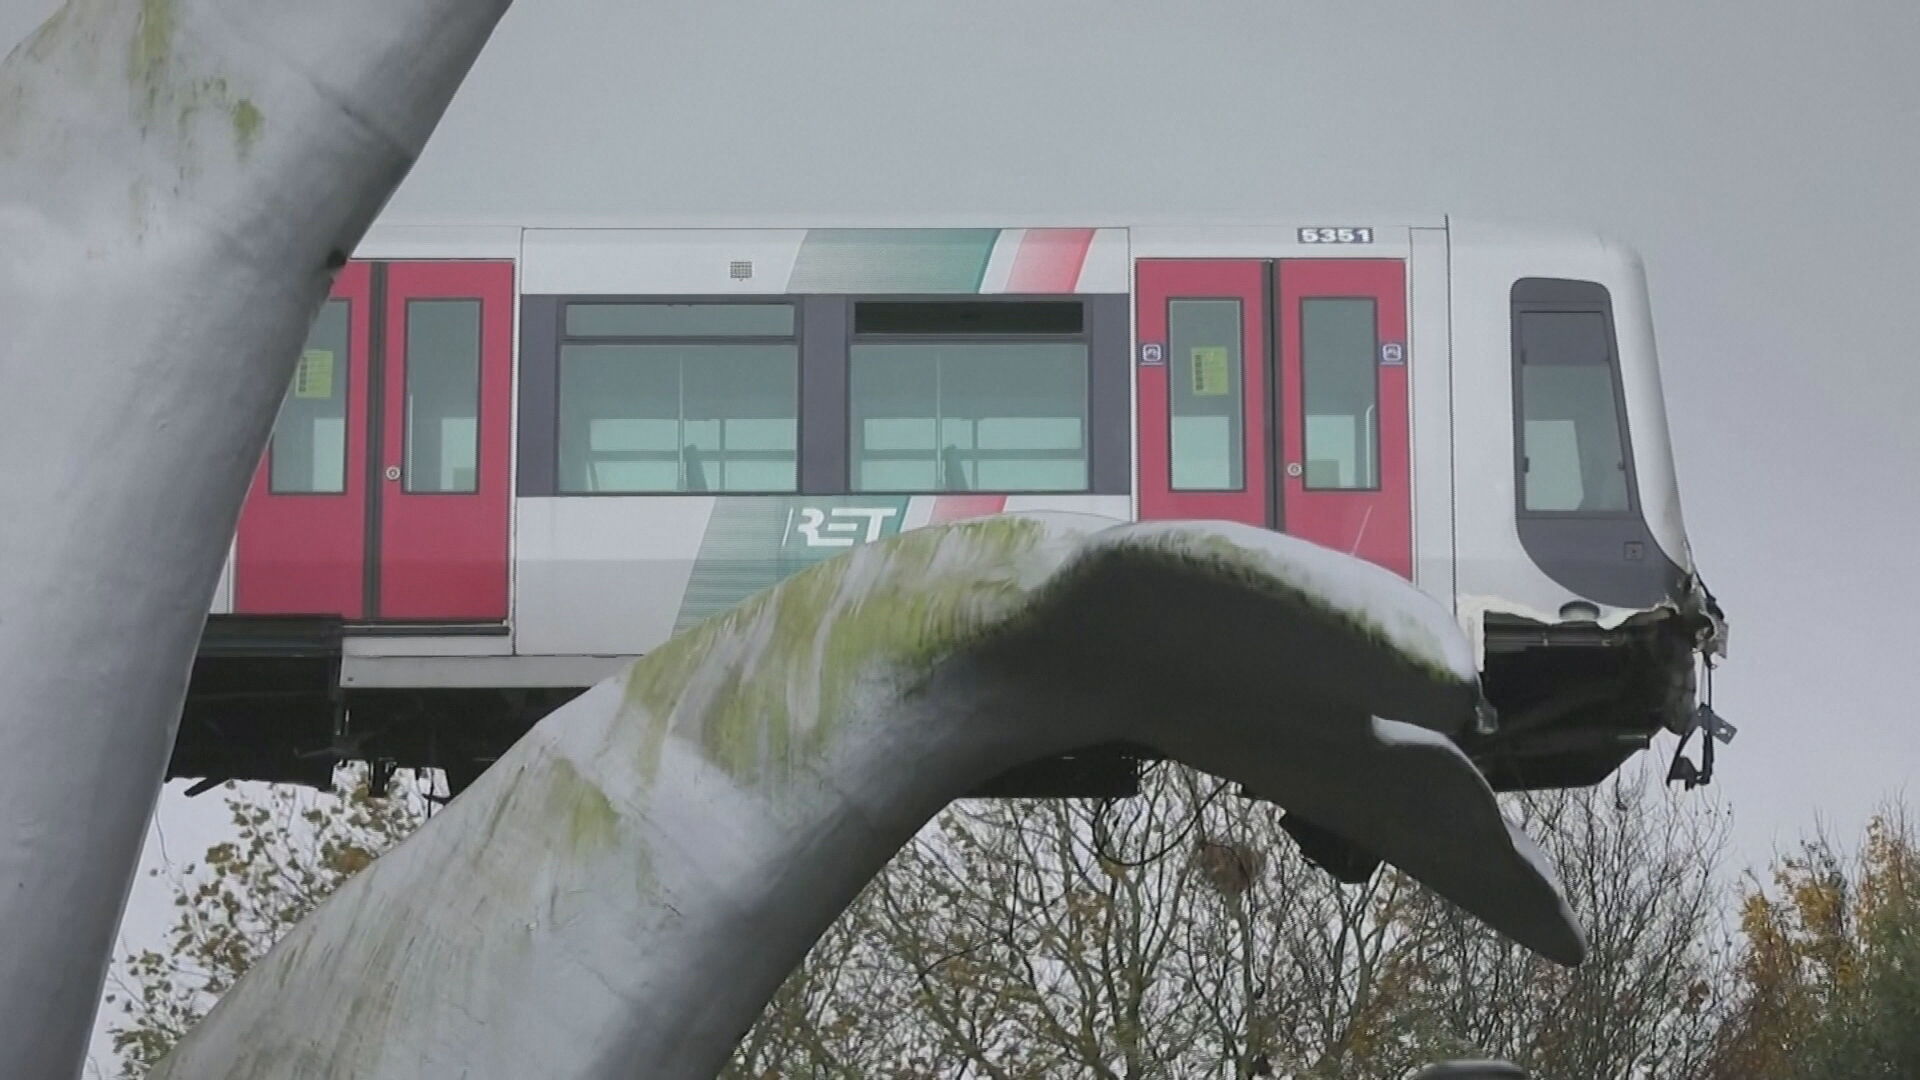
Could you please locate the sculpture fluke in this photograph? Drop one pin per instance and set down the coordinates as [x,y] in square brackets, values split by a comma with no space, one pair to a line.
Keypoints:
[621,893]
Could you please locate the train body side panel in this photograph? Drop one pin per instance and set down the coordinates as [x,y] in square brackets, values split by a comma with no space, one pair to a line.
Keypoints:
[619,576]
[603,576]
[613,575]
[603,570]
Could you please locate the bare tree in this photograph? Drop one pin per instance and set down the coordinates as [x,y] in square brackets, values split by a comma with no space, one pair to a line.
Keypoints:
[1641,867]
[832,1018]
[1179,934]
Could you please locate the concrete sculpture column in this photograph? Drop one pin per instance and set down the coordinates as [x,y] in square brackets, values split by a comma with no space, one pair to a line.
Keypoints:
[178,181]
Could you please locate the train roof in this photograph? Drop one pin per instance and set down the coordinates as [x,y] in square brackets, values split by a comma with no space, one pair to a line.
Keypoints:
[409,235]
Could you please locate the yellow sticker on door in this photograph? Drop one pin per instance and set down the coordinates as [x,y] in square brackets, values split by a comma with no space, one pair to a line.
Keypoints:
[1212,376]
[314,377]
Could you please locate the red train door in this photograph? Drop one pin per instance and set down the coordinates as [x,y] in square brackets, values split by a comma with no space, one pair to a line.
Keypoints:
[384,492]
[1345,480]
[301,546]
[442,528]
[1275,393]
[1203,378]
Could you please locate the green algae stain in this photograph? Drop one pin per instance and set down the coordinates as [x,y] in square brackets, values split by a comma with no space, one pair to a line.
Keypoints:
[152,46]
[908,619]
[789,658]
[247,121]
[152,69]
[591,820]
[653,739]
[592,825]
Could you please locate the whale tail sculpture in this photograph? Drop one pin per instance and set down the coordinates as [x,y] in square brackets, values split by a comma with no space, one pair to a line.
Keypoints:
[621,893]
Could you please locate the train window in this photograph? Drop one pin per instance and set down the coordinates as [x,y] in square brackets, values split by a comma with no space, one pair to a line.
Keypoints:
[309,452]
[443,396]
[679,320]
[1206,403]
[968,396]
[1573,442]
[1340,393]
[679,398]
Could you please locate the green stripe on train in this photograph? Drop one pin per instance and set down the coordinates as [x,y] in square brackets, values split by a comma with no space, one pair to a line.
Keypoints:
[892,260]
[754,543]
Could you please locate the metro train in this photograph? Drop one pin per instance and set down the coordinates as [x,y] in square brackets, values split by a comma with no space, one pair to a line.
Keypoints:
[513,458]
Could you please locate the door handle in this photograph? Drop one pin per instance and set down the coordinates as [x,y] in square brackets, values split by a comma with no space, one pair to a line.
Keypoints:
[1294,470]
[393,472]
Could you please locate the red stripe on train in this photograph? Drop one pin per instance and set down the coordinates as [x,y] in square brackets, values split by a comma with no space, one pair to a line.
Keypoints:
[961,507]
[1049,260]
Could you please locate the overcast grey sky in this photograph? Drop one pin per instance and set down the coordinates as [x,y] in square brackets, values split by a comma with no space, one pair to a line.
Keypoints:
[1762,154]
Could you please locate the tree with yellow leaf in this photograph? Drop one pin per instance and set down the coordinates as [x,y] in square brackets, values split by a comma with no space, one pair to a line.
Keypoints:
[1829,982]
[290,848]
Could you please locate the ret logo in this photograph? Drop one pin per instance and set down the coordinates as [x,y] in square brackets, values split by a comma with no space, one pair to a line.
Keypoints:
[843,526]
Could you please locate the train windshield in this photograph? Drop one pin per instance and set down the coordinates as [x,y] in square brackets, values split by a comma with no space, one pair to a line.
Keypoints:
[1572,436]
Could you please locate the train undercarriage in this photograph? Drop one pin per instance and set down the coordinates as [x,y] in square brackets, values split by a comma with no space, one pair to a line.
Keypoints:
[1569,704]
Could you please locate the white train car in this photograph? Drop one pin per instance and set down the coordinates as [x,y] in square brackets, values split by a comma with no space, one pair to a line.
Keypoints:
[512,458]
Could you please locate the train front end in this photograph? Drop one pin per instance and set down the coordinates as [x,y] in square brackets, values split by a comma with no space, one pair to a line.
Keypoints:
[1574,572]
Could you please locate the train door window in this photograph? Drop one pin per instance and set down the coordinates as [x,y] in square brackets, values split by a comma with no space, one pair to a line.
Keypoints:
[661,398]
[968,396]
[443,396]
[309,452]
[1573,443]
[1205,396]
[1340,392]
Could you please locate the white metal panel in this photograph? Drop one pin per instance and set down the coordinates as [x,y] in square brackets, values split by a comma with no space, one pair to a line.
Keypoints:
[1265,242]
[1107,268]
[426,644]
[1655,473]
[604,576]
[223,589]
[1117,507]
[398,243]
[1493,568]
[657,261]
[1431,413]
[513,444]
[918,515]
[999,268]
